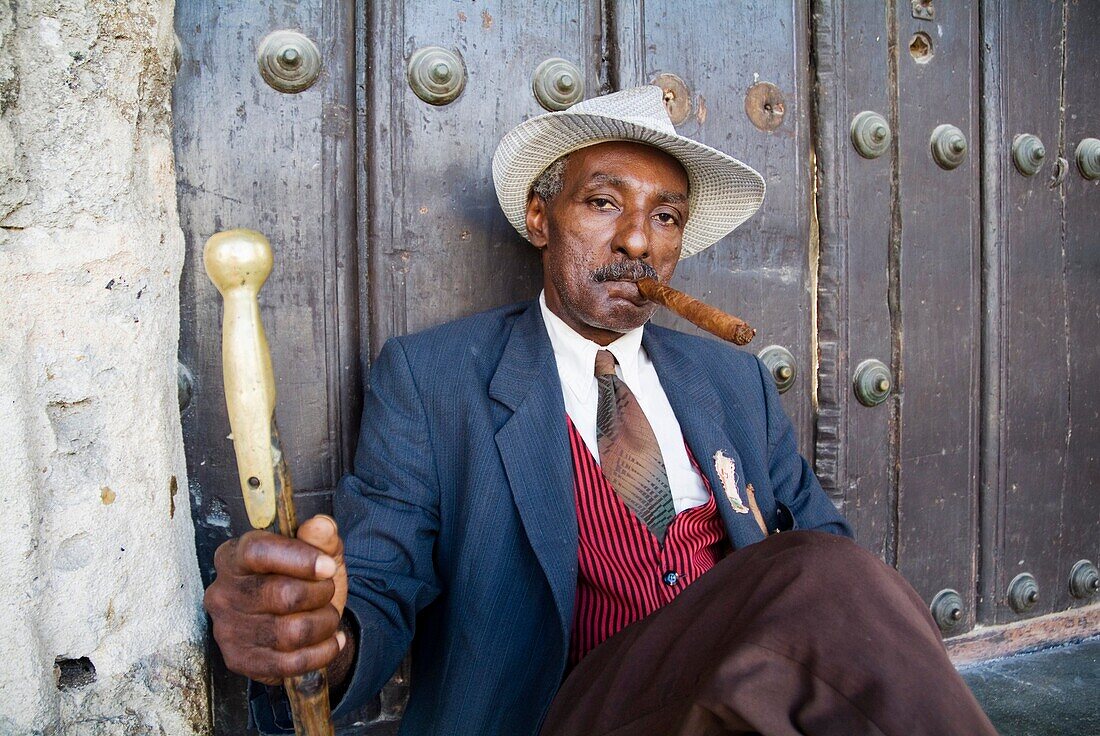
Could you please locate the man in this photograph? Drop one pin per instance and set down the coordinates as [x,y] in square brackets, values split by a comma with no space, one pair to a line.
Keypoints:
[533,480]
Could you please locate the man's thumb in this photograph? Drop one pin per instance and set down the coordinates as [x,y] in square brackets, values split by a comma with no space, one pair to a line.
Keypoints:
[321,532]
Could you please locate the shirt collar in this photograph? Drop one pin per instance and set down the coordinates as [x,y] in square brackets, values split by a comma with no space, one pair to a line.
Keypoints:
[576,355]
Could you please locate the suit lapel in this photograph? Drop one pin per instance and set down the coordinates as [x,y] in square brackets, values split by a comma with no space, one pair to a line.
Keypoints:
[699,410]
[534,448]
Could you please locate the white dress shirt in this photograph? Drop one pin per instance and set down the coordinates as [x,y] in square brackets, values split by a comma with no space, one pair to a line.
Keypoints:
[576,359]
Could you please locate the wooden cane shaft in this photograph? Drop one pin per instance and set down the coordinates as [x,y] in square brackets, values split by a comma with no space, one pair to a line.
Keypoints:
[704,316]
[286,518]
[308,693]
[309,706]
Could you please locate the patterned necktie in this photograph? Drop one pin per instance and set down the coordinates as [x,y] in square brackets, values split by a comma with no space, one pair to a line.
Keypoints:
[629,454]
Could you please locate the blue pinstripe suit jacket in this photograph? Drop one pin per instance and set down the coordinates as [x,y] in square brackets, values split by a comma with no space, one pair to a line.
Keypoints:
[459,519]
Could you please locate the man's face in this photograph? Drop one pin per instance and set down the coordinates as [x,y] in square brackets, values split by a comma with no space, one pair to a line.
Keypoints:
[621,212]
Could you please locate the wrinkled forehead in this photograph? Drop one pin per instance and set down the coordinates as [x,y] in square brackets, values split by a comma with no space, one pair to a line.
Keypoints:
[620,163]
[639,158]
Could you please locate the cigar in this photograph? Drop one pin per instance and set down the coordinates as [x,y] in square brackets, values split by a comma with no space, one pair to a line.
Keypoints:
[703,316]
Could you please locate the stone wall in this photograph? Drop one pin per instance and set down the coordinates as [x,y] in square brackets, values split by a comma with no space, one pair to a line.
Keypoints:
[100,598]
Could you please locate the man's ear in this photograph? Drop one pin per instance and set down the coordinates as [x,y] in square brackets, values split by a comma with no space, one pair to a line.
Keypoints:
[536,221]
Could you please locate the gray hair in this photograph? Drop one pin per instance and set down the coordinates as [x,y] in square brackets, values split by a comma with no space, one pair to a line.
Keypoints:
[549,183]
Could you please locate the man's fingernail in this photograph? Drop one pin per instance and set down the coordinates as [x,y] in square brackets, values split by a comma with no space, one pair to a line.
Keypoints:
[329,519]
[341,639]
[325,567]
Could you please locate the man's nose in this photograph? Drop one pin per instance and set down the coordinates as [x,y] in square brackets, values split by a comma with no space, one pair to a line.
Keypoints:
[631,237]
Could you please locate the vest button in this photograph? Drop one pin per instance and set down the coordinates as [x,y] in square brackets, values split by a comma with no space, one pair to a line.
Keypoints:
[671,577]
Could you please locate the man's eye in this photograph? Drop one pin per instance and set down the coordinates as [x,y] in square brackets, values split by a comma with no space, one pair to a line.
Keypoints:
[667,218]
[602,203]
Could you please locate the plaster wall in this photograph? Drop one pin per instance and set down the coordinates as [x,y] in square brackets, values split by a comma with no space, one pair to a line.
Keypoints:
[97,553]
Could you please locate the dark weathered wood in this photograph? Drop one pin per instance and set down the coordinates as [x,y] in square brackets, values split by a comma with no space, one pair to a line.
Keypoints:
[1043,631]
[440,248]
[854,443]
[248,156]
[937,306]
[994,207]
[1080,534]
[761,272]
[826,226]
[1029,498]
[1041,356]
[343,251]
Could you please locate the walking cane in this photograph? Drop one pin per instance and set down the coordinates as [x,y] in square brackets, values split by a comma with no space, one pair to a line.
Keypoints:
[239,262]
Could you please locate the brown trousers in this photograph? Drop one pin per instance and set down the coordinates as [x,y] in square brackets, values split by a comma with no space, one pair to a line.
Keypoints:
[803,633]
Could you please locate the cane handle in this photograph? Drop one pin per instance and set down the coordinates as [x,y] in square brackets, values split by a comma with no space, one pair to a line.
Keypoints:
[238,262]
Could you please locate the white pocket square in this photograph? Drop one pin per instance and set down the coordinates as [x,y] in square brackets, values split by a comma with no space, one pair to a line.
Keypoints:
[727,473]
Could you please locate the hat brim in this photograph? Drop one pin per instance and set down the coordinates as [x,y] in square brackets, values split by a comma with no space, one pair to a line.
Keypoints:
[723,192]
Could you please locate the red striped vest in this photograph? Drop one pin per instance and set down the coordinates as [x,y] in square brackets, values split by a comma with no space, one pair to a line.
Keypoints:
[623,573]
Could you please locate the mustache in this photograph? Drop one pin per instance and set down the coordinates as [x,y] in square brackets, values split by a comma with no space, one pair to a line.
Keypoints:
[624,271]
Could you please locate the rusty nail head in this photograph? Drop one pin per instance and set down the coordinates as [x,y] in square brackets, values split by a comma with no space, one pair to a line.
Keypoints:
[923,10]
[677,96]
[765,106]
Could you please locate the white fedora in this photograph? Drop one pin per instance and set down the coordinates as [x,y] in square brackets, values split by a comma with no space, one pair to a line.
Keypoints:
[723,191]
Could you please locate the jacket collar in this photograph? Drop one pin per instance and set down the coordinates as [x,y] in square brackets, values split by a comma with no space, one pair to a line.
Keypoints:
[534,448]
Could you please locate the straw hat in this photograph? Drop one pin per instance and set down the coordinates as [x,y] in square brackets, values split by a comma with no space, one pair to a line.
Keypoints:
[723,191]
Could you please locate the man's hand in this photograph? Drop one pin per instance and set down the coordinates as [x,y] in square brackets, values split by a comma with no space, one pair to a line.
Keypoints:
[276,602]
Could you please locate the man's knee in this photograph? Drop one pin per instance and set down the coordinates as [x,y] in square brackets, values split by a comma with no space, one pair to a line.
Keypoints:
[832,560]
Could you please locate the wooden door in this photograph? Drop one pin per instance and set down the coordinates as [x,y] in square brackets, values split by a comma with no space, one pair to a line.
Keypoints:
[900,284]
[974,286]
[1040,486]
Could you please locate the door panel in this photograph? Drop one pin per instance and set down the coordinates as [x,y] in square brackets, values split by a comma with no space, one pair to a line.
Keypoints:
[855,444]
[1032,313]
[1081,535]
[936,315]
[1043,502]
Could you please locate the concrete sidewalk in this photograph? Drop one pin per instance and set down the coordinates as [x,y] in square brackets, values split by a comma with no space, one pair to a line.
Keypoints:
[1052,692]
